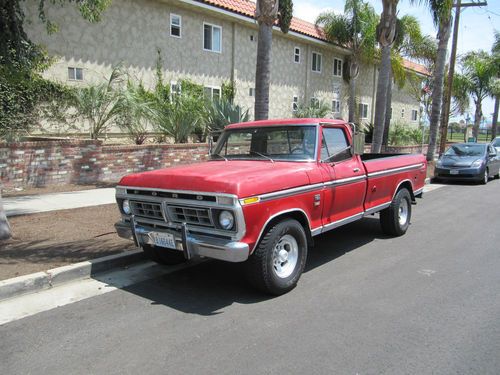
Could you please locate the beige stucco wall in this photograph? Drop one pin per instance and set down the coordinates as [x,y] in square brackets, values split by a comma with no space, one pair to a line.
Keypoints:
[131,31]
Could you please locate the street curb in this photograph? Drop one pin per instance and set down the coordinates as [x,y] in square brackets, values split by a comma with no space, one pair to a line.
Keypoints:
[44,280]
[427,181]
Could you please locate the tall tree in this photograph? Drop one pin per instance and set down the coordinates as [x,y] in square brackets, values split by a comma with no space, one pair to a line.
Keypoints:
[386,33]
[354,30]
[441,15]
[267,12]
[478,71]
[496,84]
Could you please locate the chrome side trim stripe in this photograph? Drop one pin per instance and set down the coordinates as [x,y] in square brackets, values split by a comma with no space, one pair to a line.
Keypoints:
[288,192]
[345,181]
[378,208]
[344,221]
[395,170]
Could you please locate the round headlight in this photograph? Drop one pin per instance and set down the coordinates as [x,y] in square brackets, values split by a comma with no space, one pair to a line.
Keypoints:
[126,207]
[226,220]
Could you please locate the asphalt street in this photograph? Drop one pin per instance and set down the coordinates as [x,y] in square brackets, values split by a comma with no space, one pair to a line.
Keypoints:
[424,303]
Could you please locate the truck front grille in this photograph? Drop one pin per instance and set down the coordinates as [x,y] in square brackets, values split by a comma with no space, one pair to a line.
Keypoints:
[190,215]
[147,210]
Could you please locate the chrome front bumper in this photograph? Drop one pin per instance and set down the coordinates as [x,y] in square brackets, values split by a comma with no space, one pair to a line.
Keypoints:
[190,244]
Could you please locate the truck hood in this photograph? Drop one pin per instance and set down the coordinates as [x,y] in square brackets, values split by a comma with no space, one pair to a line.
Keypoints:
[239,177]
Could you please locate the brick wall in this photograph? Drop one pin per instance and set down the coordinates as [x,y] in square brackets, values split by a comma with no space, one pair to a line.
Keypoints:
[38,164]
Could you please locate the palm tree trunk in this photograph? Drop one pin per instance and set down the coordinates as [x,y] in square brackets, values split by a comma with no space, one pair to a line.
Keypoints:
[495,119]
[437,93]
[353,75]
[4,224]
[263,71]
[477,119]
[388,112]
[380,104]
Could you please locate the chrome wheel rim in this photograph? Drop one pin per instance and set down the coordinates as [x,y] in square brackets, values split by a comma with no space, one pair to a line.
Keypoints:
[285,256]
[485,175]
[403,212]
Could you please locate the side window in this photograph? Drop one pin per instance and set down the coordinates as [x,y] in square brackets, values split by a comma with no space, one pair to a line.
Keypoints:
[335,143]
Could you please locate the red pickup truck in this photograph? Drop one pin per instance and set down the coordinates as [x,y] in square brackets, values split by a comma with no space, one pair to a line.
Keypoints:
[268,189]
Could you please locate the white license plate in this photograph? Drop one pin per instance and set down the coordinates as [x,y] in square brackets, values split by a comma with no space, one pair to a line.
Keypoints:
[164,240]
[453,171]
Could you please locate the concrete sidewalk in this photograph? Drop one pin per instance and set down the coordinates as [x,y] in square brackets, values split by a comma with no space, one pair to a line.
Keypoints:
[31,204]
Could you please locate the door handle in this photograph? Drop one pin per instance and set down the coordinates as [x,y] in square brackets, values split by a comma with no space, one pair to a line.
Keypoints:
[355,170]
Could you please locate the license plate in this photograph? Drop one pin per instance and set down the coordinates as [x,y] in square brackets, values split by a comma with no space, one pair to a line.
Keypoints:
[163,240]
[454,171]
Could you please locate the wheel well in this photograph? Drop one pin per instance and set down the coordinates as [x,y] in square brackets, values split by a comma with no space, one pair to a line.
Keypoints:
[296,215]
[406,185]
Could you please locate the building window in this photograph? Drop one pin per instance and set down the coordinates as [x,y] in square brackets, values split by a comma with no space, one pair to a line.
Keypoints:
[212,38]
[403,113]
[414,115]
[390,113]
[296,55]
[335,106]
[212,92]
[337,67]
[363,110]
[316,62]
[295,103]
[315,102]
[175,25]
[175,89]
[252,38]
[251,91]
[75,74]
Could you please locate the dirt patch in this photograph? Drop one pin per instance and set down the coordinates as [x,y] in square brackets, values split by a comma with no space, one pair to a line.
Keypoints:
[57,238]
[11,192]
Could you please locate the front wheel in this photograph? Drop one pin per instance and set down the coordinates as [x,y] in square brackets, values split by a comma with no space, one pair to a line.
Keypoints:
[163,256]
[395,219]
[278,261]
[486,177]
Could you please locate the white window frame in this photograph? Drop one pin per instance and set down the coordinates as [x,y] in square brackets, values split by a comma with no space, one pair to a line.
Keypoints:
[172,15]
[335,60]
[314,102]
[251,91]
[212,88]
[414,112]
[295,54]
[320,64]
[295,103]
[74,77]
[361,117]
[337,106]
[402,113]
[203,37]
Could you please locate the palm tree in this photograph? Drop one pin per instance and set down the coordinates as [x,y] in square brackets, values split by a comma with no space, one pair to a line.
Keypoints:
[496,84]
[476,80]
[386,32]
[267,12]
[354,30]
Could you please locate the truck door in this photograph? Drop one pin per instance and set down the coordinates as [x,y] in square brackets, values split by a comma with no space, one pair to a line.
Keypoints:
[347,185]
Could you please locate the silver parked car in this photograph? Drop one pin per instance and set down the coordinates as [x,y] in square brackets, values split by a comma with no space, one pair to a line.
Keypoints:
[496,143]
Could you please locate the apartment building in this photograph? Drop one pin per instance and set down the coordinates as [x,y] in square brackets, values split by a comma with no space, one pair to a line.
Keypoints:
[209,42]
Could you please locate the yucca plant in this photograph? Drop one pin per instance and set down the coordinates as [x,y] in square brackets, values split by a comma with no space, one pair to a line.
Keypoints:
[223,112]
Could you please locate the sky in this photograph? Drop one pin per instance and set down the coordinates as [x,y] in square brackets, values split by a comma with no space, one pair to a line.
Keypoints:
[476,23]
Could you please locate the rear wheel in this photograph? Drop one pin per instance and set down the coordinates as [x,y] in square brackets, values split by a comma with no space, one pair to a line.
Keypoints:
[163,256]
[395,219]
[497,176]
[278,261]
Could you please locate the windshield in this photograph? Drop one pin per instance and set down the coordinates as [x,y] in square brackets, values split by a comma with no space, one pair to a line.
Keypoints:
[496,142]
[466,150]
[281,143]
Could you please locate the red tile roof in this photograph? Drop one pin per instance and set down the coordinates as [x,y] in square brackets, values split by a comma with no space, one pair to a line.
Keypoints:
[247,8]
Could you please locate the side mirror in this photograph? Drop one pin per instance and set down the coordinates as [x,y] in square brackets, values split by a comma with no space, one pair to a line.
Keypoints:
[358,143]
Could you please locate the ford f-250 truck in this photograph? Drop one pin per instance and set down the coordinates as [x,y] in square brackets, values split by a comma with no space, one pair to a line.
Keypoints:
[268,189]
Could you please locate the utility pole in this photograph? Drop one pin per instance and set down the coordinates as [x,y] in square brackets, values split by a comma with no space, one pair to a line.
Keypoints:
[447,96]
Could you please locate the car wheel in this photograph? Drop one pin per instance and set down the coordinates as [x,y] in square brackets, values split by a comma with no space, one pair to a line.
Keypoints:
[163,256]
[278,261]
[395,219]
[486,177]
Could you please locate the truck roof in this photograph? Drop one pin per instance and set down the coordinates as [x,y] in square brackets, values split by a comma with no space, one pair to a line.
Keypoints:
[290,121]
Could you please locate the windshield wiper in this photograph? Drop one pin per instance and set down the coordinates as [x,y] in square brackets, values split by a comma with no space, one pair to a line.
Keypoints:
[264,156]
[220,156]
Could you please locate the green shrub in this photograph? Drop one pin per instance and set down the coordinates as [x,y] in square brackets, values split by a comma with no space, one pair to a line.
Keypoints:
[318,110]
[404,135]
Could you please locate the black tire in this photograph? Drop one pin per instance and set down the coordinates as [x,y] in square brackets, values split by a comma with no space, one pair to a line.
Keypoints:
[390,217]
[264,266]
[163,256]
[485,178]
